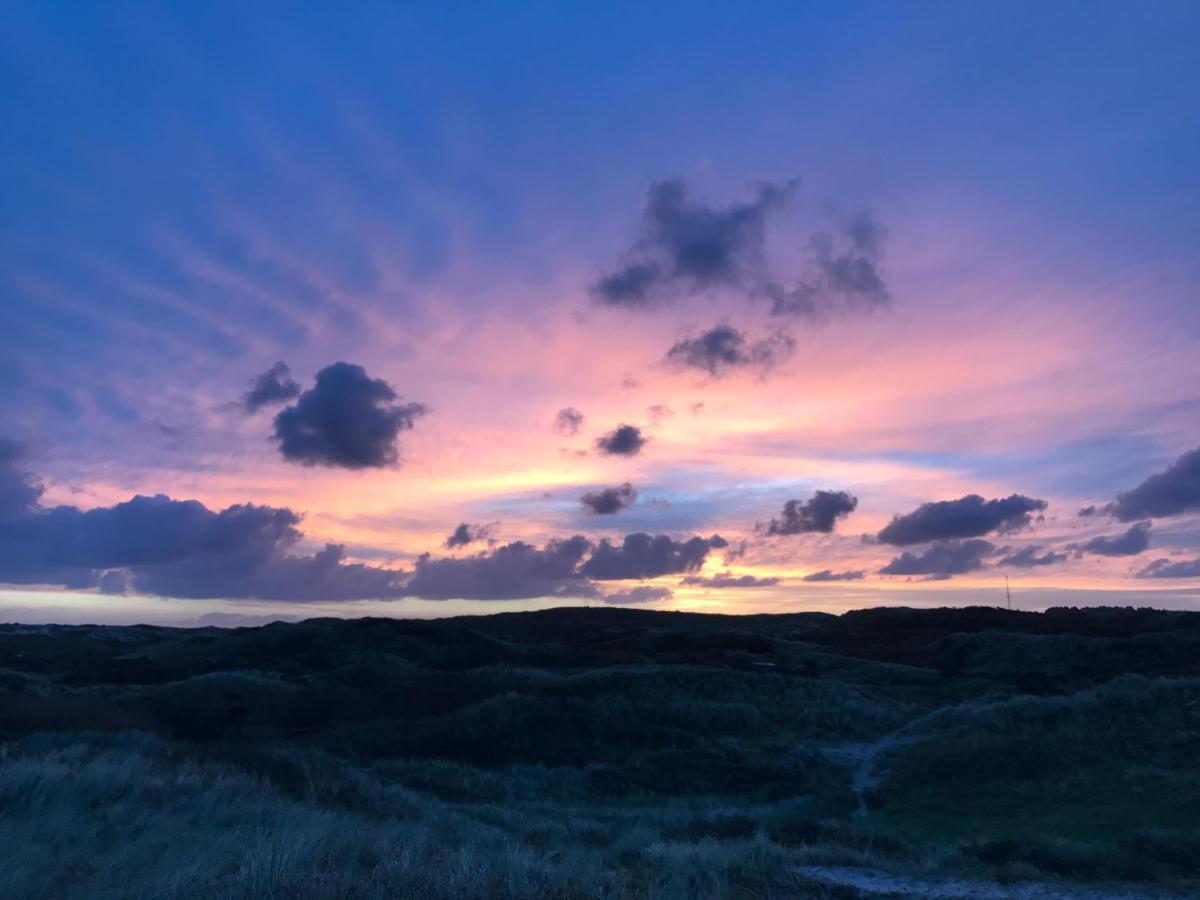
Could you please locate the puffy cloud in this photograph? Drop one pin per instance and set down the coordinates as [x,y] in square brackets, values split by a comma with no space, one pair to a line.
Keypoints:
[568,421]
[723,348]
[1028,558]
[852,272]
[829,575]
[466,533]
[178,548]
[634,284]
[941,560]
[1169,493]
[844,272]
[509,572]
[819,513]
[1088,512]
[729,580]
[624,440]
[687,246]
[642,555]
[642,593]
[609,500]
[970,516]
[1128,543]
[347,419]
[1164,568]
[323,576]
[273,386]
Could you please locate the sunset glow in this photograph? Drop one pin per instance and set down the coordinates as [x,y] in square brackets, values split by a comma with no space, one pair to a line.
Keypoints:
[982,282]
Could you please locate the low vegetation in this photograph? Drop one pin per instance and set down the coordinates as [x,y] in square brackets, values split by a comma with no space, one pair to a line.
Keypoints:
[606,753]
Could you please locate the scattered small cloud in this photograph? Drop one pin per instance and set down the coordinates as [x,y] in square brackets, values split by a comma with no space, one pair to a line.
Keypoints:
[467,533]
[845,272]
[729,580]
[610,500]
[723,349]
[624,440]
[642,593]
[659,412]
[272,387]
[819,513]
[829,575]
[1031,557]
[568,421]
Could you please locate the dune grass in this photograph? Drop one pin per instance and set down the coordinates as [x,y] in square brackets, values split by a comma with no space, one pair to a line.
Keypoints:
[615,755]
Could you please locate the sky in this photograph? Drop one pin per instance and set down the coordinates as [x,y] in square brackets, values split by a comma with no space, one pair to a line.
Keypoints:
[431,309]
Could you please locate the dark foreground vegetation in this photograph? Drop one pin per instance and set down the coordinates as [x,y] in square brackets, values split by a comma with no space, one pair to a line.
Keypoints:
[580,753]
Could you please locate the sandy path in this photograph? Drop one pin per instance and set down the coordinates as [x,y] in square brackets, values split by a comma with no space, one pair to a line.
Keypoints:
[885,884]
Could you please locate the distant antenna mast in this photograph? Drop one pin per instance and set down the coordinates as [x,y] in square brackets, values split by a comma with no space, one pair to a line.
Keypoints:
[1007,592]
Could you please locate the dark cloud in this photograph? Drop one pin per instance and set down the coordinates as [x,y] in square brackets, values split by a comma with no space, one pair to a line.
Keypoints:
[18,493]
[723,348]
[844,273]
[970,516]
[1088,512]
[178,548]
[610,500]
[941,560]
[686,246]
[817,514]
[642,593]
[643,555]
[851,271]
[273,386]
[634,284]
[323,576]
[1164,568]
[466,533]
[1028,558]
[1169,493]
[568,421]
[624,440]
[828,575]
[509,572]
[729,580]
[347,419]
[1128,543]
